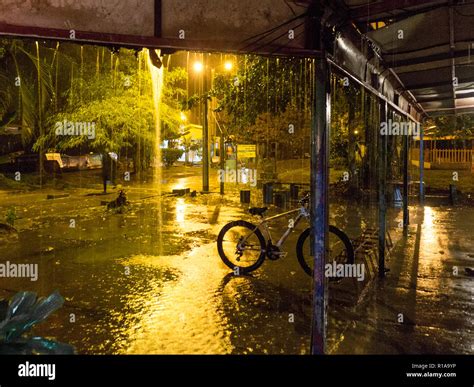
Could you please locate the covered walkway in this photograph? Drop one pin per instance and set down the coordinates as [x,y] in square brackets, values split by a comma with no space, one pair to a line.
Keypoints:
[411,58]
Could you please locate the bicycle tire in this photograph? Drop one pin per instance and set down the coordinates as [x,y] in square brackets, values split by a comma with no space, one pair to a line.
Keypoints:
[258,234]
[332,229]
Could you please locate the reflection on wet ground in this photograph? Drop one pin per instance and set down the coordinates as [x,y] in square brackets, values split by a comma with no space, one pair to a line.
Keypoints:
[132,286]
[424,306]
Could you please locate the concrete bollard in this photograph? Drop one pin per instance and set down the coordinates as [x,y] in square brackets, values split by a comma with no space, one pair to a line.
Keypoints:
[294,191]
[397,197]
[268,193]
[281,198]
[453,195]
[245,196]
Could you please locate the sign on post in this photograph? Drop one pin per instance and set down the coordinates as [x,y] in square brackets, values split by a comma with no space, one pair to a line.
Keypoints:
[246,151]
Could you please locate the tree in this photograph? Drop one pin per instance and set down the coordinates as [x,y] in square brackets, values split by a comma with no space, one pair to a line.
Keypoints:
[170,156]
[115,97]
[26,85]
[262,88]
[461,126]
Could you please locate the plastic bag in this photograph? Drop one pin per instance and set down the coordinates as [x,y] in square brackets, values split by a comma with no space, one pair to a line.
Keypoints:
[23,311]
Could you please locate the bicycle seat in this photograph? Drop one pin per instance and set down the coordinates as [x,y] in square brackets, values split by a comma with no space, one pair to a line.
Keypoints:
[258,210]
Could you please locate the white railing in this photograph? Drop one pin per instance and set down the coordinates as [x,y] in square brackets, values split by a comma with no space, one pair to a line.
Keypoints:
[443,156]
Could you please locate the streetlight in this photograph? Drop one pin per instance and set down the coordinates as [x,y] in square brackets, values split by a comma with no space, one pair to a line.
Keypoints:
[228,65]
[198,67]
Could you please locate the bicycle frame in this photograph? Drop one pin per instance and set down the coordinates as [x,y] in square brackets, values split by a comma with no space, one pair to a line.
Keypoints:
[302,213]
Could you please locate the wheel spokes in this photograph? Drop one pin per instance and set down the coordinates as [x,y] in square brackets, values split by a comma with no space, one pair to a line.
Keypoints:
[242,246]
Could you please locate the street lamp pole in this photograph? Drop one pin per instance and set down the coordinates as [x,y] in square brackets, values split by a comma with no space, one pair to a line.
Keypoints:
[221,161]
[203,68]
[205,138]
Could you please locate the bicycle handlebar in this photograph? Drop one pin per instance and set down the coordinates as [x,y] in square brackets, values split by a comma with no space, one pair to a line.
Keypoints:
[305,199]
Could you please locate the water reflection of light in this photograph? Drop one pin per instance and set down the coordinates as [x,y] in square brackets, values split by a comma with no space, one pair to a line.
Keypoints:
[433,240]
[180,183]
[180,315]
[180,210]
[428,228]
[244,179]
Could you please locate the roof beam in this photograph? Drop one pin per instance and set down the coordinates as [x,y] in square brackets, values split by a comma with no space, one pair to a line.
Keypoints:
[428,59]
[372,12]
[438,84]
[443,100]
[451,111]
[371,90]
[134,41]
[452,48]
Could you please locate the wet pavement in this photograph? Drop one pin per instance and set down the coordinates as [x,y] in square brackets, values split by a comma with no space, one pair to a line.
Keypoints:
[425,304]
[149,280]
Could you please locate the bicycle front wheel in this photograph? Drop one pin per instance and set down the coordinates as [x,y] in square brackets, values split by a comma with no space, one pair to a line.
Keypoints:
[241,246]
[340,249]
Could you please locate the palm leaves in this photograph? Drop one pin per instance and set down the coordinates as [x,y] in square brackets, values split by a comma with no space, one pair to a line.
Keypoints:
[26,76]
[81,84]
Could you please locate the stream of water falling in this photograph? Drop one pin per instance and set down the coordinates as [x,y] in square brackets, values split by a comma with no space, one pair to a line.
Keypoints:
[157,86]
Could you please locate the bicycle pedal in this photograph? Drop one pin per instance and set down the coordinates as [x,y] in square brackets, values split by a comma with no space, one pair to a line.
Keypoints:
[275,255]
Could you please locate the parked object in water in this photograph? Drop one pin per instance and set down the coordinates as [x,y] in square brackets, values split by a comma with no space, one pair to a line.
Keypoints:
[8,233]
[119,202]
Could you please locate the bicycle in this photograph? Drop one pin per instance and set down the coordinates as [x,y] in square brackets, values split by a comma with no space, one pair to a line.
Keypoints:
[245,243]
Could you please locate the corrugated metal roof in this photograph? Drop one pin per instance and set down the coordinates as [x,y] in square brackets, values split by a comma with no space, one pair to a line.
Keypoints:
[431,50]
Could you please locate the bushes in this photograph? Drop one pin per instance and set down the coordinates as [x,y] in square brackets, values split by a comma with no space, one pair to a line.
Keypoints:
[11,216]
[170,155]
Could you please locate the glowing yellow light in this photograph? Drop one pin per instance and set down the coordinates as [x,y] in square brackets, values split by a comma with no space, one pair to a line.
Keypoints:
[356,132]
[180,210]
[228,65]
[183,117]
[198,67]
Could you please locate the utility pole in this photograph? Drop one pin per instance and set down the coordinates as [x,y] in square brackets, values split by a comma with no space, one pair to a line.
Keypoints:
[222,161]
[406,155]
[203,68]
[382,183]
[319,177]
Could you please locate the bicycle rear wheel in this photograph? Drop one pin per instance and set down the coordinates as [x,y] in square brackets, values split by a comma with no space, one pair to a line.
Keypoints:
[241,246]
[340,249]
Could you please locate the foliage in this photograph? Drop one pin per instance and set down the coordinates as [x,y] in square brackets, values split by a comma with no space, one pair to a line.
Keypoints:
[263,85]
[269,96]
[190,145]
[252,102]
[121,108]
[461,126]
[11,216]
[68,82]
[170,156]
[343,127]
[26,85]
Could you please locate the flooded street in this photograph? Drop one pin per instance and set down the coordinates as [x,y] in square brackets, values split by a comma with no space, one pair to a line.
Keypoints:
[131,287]
[135,284]
[261,178]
